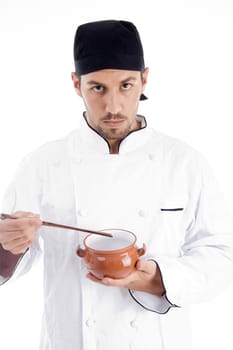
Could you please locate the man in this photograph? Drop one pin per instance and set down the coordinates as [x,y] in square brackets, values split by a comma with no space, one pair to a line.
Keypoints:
[114,171]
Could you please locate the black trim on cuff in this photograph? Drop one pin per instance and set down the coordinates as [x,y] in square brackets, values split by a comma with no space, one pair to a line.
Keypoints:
[148,309]
[163,295]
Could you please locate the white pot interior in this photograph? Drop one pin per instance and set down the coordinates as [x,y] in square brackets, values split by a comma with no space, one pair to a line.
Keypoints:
[121,239]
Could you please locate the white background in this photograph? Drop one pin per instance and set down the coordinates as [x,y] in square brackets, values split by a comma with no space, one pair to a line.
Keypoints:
[188,47]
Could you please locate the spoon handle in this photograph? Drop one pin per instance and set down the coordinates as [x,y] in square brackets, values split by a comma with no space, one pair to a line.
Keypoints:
[52,224]
[46,223]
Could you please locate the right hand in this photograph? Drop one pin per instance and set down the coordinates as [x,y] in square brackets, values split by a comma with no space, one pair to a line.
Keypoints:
[17,235]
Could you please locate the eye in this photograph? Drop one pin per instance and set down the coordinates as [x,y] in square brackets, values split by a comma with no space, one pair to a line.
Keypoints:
[98,88]
[126,86]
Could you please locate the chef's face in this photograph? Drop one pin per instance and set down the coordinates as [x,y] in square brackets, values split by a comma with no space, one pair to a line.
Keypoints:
[111,99]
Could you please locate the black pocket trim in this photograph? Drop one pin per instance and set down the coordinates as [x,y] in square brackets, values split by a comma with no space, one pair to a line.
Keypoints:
[171,209]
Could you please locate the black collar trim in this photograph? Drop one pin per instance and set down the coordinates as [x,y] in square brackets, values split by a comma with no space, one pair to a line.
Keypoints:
[143,127]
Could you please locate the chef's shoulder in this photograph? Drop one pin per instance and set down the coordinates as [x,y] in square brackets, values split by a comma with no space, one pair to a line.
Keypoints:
[50,153]
[176,151]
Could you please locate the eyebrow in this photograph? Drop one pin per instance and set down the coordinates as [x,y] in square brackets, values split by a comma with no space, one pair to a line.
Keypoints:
[94,82]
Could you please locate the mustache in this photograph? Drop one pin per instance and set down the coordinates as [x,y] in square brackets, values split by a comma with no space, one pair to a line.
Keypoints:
[111,116]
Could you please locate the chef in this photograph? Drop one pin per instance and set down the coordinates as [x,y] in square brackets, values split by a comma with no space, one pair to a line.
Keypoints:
[115,171]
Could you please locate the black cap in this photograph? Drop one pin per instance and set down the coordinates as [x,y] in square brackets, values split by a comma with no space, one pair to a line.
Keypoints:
[108,44]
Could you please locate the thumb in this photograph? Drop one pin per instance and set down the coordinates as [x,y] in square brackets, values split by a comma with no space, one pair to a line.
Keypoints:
[147,266]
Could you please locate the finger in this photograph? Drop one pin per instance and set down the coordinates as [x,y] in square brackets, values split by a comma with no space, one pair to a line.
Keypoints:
[24,214]
[121,282]
[10,236]
[93,278]
[15,243]
[146,266]
[107,281]
[28,218]
[8,225]
[20,249]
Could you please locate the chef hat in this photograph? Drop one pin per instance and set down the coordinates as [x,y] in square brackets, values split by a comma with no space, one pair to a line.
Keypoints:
[108,44]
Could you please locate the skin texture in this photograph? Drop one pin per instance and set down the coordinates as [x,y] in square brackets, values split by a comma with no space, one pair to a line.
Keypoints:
[17,235]
[111,98]
[146,278]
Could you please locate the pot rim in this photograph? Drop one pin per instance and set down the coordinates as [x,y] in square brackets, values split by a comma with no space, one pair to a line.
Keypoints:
[112,251]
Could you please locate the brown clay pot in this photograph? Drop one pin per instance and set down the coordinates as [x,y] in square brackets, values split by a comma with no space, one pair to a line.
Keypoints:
[111,257]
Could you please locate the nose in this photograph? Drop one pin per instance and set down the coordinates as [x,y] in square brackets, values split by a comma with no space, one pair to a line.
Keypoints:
[113,102]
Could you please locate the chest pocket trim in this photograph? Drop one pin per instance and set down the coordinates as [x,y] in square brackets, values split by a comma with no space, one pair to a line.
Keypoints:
[171,209]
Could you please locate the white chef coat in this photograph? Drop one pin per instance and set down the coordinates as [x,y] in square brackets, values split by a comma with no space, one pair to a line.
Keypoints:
[157,187]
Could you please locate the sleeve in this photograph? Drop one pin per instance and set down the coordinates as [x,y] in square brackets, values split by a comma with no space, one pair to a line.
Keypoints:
[24,264]
[23,194]
[205,267]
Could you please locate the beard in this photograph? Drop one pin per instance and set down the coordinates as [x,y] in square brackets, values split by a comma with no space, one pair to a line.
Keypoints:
[114,133]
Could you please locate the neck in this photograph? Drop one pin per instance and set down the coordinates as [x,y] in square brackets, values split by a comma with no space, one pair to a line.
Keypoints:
[115,143]
[114,146]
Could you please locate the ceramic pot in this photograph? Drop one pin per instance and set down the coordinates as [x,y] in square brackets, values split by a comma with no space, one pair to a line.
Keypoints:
[111,257]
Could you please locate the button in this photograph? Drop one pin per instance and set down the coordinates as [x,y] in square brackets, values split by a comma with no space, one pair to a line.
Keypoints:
[90,323]
[82,212]
[133,324]
[151,156]
[141,213]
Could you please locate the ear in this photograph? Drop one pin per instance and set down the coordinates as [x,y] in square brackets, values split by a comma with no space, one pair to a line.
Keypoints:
[76,83]
[144,78]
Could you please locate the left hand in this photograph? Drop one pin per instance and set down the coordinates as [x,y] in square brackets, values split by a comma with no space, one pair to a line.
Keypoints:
[145,278]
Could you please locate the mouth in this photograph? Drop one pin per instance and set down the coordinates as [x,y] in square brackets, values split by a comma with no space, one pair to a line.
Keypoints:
[113,123]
